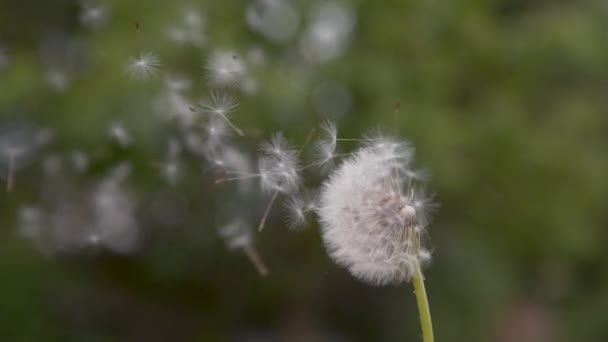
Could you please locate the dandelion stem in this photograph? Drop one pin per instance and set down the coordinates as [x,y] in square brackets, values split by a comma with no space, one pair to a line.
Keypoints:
[267,211]
[423,305]
[255,259]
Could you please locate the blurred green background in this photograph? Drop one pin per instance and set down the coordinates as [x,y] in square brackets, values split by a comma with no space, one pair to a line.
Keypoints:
[505,101]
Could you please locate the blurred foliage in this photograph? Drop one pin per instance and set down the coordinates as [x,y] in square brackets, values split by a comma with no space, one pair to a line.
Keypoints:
[505,102]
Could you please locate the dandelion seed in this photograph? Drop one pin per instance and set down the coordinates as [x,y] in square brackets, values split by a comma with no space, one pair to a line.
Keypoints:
[373,218]
[280,148]
[58,80]
[31,221]
[145,66]
[325,148]
[119,133]
[277,20]
[237,235]
[223,69]
[300,207]
[18,146]
[94,16]
[279,170]
[80,160]
[113,221]
[189,30]
[221,104]
[279,166]
[171,169]
[329,31]
[177,84]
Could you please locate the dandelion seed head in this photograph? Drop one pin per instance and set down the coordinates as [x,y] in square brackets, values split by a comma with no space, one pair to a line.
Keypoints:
[143,67]
[372,217]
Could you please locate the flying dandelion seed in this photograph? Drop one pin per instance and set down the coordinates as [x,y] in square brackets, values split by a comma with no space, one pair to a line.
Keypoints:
[189,31]
[300,208]
[221,105]
[224,68]
[238,235]
[94,16]
[143,67]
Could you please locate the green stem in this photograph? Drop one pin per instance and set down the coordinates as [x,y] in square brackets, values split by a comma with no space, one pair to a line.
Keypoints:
[423,305]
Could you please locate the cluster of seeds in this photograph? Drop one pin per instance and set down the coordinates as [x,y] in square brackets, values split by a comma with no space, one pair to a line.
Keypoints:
[372,211]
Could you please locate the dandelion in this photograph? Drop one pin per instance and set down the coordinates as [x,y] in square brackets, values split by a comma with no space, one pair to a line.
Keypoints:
[146,65]
[224,68]
[221,105]
[373,218]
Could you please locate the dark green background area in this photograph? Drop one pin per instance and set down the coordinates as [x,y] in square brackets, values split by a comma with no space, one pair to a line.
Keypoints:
[505,101]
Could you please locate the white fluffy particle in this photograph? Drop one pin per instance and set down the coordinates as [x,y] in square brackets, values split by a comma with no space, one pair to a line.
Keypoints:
[224,68]
[371,216]
[300,208]
[146,65]
[279,166]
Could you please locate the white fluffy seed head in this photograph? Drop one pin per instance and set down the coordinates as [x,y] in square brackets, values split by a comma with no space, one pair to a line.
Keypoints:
[372,216]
